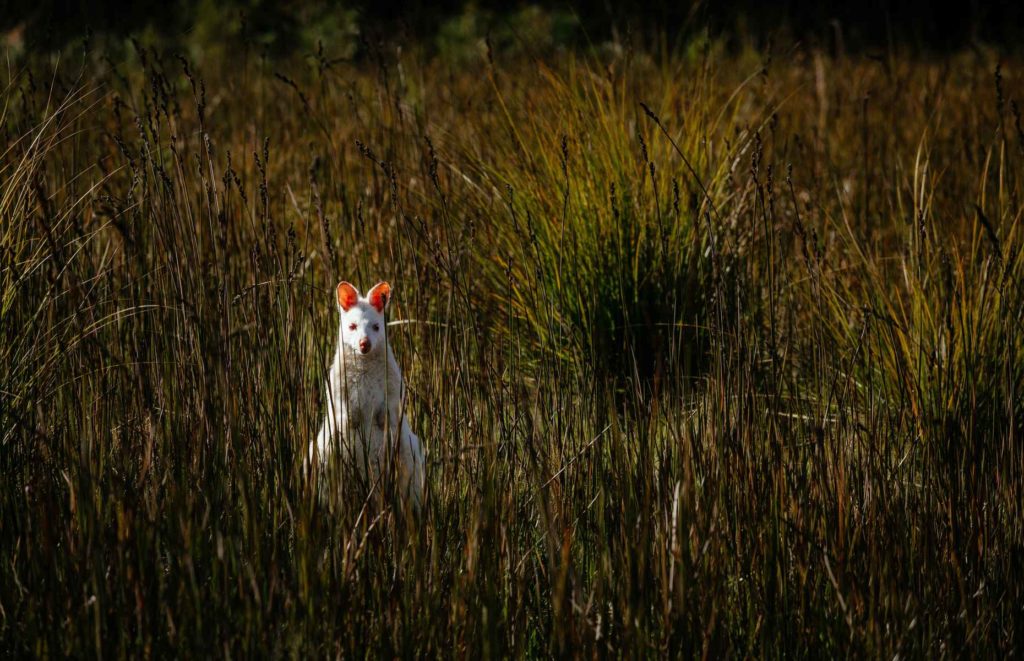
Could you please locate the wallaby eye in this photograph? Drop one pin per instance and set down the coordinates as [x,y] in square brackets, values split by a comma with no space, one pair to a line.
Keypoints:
[351,326]
[376,327]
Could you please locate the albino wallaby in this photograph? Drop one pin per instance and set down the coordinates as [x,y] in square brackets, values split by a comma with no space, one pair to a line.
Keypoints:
[365,397]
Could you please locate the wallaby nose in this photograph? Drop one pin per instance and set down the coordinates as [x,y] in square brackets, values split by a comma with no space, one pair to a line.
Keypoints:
[364,345]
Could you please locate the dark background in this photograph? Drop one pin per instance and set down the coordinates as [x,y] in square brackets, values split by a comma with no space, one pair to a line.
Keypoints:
[283,27]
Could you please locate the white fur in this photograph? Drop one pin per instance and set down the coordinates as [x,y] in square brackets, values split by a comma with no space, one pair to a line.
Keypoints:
[363,383]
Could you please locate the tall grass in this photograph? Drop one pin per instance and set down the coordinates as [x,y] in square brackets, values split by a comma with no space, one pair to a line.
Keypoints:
[712,354]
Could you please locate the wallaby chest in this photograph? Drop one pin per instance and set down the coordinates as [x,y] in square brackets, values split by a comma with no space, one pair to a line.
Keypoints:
[367,400]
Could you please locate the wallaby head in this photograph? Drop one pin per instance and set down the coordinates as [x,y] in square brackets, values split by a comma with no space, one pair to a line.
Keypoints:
[362,319]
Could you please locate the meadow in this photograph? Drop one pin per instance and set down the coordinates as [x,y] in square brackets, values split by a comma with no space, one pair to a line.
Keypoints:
[714,352]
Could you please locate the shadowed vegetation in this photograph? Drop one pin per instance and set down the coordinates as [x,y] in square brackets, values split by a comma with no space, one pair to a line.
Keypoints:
[712,353]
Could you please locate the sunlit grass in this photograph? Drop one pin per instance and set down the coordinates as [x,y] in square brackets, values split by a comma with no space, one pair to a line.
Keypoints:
[711,355]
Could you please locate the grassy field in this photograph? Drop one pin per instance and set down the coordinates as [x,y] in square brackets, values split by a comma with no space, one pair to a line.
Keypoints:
[712,353]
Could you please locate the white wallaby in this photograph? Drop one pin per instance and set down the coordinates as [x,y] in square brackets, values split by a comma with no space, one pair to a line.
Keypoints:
[366,397]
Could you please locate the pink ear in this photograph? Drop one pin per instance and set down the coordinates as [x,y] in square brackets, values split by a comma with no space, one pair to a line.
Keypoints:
[347,295]
[379,296]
